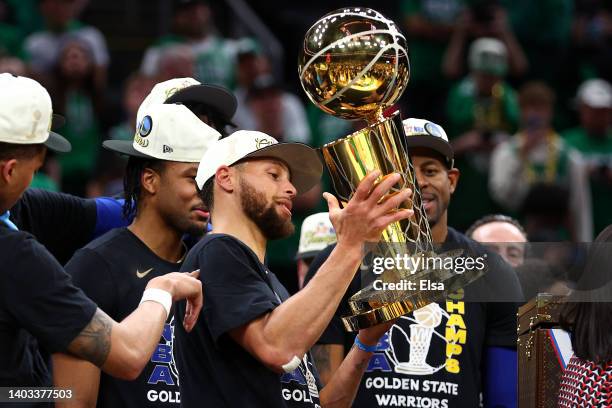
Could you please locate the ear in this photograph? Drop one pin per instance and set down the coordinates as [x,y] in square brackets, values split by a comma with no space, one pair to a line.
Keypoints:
[7,169]
[150,180]
[453,178]
[226,179]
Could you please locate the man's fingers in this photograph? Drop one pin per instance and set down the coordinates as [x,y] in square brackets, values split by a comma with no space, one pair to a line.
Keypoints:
[393,202]
[332,202]
[396,216]
[384,186]
[366,185]
[194,274]
[194,306]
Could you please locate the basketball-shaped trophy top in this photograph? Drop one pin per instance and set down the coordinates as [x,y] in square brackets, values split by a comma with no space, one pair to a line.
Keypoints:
[354,63]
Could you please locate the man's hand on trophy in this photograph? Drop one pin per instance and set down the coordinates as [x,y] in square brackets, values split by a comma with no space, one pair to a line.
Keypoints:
[371,209]
[372,335]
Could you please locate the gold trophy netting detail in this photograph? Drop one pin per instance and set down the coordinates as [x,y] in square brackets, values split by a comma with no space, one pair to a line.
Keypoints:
[382,146]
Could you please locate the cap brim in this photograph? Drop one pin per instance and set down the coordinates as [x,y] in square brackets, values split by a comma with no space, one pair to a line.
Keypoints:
[216,97]
[431,142]
[124,147]
[58,143]
[302,160]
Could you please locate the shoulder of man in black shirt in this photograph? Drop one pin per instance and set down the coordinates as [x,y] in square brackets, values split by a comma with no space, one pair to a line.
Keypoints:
[215,370]
[91,268]
[229,268]
[61,222]
[37,297]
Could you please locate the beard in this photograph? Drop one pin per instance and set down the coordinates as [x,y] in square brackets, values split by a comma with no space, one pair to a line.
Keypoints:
[264,215]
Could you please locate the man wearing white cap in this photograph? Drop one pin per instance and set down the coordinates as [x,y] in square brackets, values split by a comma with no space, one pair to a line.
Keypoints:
[446,354]
[317,233]
[214,105]
[593,138]
[65,223]
[115,268]
[252,346]
[40,308]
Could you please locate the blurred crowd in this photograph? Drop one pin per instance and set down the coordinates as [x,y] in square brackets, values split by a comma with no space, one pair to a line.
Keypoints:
[522,88]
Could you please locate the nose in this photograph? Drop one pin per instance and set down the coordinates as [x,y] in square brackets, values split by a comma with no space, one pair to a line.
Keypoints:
[420,179]
[290,190]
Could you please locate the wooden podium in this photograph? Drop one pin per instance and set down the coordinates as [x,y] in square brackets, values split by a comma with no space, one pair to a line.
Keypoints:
[540,365]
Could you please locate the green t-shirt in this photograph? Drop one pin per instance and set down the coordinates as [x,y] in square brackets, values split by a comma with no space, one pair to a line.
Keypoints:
[44,182]
[466,110]
[598,153]
[82,131]
[215,58]
[426,55]
[11,40]
[123,131]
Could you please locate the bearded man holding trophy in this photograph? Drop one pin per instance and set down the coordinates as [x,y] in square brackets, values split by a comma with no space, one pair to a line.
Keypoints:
[458,347]
[252,346]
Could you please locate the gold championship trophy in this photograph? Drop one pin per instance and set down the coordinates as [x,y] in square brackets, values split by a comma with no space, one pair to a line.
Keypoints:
[354,64]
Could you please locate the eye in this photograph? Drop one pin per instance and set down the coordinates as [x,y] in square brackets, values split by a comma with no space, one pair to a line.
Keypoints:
[274,175]
[431,171]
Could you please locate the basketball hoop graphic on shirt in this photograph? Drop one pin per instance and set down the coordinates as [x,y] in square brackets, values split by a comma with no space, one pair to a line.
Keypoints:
[423,328]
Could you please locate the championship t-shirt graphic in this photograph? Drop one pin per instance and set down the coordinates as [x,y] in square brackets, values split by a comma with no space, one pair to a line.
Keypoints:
[299,387]
[419,361]
[162,370]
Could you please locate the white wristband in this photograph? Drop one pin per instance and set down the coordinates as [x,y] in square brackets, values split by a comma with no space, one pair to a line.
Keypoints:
[291,365]
[159,296]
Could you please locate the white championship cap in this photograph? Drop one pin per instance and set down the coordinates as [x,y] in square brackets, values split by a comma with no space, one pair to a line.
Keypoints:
[302,160]
[488,55]
[168,132]
[423,133]
[596,93]
[316,234]
[188,90]
[26,114]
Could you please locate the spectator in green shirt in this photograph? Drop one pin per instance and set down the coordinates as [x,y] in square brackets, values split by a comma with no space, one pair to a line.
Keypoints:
[77,96]
[192,25]
[593,138]
[536,159]
[428,25]
[11,36]
[482,111]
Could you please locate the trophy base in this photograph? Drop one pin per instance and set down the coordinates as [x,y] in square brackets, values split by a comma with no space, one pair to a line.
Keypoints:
[370,308]
[382,314]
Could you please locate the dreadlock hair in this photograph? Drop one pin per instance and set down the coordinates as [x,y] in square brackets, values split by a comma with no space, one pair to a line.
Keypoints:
[495,218]
[132,187]
[10,151]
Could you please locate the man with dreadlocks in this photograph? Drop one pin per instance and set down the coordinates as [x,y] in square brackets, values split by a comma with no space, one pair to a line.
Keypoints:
[160,190]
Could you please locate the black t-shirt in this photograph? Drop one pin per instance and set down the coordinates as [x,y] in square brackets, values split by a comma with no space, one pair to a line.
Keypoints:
[435,361]
[61,222]
[41,311]
[113,271]
[214,370]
